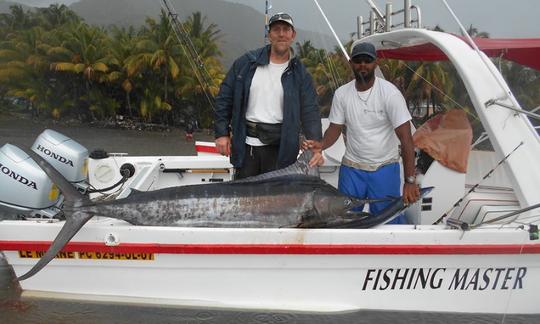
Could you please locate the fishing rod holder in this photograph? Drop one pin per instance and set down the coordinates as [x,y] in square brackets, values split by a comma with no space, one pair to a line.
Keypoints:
[533,232]
[457,224]
[498,102]
[383,23]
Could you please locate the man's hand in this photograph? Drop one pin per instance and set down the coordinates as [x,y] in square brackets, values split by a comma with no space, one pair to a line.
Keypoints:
[411,193]
[223,145]
[316,148]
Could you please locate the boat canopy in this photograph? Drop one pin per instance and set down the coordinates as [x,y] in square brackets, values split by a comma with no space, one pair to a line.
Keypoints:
[524,51]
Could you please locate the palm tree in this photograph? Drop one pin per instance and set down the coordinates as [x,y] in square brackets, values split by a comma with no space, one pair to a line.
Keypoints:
[204,37]
[203,72]
[56,15]
[394,71]
[156,51]
[24,67]
[524,81]
[427,90]
[84,53]
[329,75]
[329,71]
[473,32]
[17,19]
[122,44]
[305,52]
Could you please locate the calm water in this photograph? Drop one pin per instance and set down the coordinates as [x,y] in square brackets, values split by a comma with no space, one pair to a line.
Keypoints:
[135,142]
[14,309]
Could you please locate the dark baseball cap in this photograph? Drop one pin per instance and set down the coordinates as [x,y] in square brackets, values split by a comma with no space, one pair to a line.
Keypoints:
[364,49]
[281,16]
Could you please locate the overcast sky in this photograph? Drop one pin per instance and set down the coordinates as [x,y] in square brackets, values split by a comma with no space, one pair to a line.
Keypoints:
[501,18]
[43,3]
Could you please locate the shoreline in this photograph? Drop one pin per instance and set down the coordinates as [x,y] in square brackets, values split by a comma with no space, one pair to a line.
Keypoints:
[21,129]
[121,122]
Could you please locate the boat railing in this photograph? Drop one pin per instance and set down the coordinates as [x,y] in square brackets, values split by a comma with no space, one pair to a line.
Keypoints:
[383,23]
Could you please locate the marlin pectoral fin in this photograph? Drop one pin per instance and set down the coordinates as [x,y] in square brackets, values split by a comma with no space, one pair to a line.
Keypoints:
[71,227]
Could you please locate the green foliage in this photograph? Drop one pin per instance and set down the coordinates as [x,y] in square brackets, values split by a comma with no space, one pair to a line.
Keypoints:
[524,82]
[63,67]
[67,68]
[329,71]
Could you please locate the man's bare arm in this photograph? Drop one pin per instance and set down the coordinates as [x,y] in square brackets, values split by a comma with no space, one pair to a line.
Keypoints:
[411,192]
[331,135]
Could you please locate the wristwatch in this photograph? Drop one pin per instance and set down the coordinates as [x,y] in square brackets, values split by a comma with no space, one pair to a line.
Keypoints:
[410,179]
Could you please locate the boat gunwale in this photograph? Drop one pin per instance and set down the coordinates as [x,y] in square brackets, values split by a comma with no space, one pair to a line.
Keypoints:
[287,248]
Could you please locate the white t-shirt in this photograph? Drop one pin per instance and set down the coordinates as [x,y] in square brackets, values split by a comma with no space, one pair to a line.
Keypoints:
[371,118]
[265,103]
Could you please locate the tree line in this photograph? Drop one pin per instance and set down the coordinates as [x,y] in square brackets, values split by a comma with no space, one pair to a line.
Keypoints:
[63,67]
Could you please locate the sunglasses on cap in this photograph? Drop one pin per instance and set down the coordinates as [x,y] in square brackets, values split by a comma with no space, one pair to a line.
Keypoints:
[281,17]
[362,59]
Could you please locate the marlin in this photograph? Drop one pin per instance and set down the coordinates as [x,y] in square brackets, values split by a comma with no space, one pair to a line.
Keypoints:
[293,197]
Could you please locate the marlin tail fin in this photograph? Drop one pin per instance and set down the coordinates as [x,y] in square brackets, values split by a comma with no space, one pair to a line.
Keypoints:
[70,228]
[74,221]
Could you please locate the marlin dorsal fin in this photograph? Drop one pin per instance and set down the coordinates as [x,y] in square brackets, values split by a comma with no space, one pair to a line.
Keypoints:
[301,166]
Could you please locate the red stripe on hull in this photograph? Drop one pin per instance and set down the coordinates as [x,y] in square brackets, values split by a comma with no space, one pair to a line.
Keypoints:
[311,249]
[206,149]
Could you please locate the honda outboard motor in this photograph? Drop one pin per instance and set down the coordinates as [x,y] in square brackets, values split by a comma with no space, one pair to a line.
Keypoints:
[25,189]
[65,155]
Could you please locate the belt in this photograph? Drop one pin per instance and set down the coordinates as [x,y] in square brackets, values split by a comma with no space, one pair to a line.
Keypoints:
[251,129]
[367,166]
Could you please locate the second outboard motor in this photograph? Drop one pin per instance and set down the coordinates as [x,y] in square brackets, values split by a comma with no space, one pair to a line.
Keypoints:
[25,189]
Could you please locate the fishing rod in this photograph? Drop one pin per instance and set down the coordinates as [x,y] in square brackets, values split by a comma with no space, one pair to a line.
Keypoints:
[267,7]
[475,186]
[466,226]
[332,30]
[475,48]
[507,92]
[201,74]
[333,73]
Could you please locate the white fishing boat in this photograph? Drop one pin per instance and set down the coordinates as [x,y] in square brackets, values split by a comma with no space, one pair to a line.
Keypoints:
[482,258]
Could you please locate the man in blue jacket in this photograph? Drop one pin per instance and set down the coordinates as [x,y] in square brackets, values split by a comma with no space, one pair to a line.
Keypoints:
[266,100]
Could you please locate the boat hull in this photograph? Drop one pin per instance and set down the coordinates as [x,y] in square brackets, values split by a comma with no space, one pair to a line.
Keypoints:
[405,268]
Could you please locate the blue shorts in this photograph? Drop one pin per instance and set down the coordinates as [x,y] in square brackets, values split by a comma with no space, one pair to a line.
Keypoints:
[383,183]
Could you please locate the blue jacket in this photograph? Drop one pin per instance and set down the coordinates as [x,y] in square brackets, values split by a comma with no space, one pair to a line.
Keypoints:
[300,108]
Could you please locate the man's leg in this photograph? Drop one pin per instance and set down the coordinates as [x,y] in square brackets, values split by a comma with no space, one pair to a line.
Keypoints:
[383,183]
[268,157]
[352,182]
[250,166]
[257,160]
